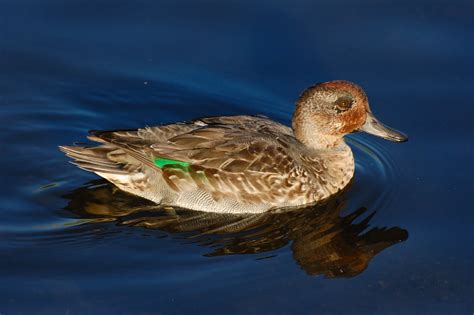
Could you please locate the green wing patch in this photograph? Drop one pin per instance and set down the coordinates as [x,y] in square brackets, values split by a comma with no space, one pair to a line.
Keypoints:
[163,162]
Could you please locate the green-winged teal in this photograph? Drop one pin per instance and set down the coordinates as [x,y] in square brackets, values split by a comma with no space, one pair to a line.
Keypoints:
[240,164]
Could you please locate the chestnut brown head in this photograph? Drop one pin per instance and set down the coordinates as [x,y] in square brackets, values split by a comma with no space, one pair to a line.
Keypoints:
[334,109]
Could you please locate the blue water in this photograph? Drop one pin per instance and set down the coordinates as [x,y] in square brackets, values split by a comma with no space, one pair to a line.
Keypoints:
[398,241]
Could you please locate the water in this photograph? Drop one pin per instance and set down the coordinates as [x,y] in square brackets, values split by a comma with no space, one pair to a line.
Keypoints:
[398,241]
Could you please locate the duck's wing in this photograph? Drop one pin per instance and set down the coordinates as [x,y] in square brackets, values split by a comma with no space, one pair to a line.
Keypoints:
[240,157]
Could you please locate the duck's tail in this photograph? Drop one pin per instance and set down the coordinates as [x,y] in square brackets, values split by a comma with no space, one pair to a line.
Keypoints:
[102,159]
[113,164]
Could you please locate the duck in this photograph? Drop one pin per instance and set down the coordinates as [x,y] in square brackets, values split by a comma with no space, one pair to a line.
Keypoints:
[240,164]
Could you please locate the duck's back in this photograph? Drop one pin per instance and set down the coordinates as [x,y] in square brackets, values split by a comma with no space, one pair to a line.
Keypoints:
[218,164]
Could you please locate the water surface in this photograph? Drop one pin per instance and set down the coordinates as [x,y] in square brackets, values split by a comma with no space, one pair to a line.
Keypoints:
[399,240]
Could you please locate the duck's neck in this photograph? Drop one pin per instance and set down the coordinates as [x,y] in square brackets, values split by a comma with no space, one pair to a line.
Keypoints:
[319,141]
[305,132]
[333,151]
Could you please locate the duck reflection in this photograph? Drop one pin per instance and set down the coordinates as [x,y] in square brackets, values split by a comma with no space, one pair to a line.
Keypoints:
[323,242]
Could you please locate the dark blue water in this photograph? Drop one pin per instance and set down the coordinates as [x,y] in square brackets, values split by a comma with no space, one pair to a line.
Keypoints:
[400,240]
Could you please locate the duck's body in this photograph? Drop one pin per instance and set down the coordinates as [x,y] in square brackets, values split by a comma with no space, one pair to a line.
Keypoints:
[236,164]
[233,164]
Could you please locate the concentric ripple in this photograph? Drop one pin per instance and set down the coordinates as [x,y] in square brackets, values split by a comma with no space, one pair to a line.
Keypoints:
[375,172]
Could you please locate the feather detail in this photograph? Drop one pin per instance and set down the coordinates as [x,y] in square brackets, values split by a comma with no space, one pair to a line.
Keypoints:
[235,161]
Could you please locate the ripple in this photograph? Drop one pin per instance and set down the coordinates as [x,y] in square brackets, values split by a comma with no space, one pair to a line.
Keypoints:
[375,172]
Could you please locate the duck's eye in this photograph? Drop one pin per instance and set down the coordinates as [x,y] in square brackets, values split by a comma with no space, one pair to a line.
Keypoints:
[342,104]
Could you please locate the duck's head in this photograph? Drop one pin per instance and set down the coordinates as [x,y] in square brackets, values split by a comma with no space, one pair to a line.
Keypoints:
[327,111]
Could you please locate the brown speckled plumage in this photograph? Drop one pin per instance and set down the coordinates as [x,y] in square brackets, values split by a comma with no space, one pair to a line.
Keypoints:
[237,164]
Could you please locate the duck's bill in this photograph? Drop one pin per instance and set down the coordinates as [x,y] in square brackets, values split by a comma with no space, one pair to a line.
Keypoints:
[374,127]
